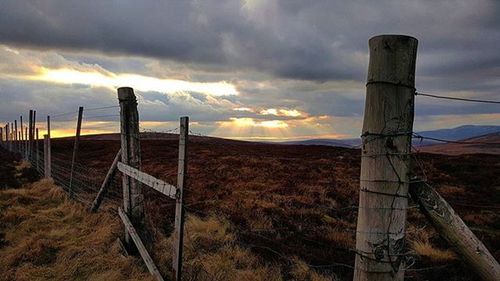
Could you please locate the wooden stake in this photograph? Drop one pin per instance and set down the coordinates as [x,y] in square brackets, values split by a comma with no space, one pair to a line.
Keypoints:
[129,227]
[48,154]
[23,151]
[179,210]
[7,136]
[451,227]
[133,199]
[26,142]
[32,143]
[75,148]
[384,179]
[105,184]
[30,134]
[15,136]
[37,152]
[46,159]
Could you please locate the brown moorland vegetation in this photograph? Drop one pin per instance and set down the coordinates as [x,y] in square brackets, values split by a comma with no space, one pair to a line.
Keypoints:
[292,207]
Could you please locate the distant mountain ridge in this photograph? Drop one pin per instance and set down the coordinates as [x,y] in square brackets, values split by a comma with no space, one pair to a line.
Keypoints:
[453,134]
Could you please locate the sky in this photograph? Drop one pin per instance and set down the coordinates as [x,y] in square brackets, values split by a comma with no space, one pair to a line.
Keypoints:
[251,69]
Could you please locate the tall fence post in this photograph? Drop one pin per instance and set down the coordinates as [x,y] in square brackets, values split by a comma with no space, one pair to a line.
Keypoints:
[7,136]
[47,152]
[37,152]
[385,159]
[32,143]
[15,136]
[1,136]
[30,134]
[21,143]
[133,199]
[75,148]
[26,143]
[179,210]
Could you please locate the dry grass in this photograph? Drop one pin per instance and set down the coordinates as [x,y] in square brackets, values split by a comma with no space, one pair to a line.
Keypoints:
[47,237]
[22,165]
[425,249]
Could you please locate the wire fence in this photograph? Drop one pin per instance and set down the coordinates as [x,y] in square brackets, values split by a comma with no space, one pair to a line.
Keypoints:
[87,180]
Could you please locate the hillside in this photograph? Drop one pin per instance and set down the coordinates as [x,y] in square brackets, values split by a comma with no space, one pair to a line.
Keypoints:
[485,144]
[45,236]
[290,208]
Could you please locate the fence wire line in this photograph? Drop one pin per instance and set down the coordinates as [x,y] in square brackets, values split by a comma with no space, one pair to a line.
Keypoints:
[456,98]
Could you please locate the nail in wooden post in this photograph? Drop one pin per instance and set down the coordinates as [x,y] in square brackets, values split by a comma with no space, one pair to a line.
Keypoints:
[48,154]
[75,148]
[384,179]
[179,210]
[133,199]
[105,184]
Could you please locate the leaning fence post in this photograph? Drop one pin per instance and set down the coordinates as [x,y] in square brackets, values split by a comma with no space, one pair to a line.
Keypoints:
[179,208]
[451,227]
[105,184]
[75,149]
[133,199]
[385,158]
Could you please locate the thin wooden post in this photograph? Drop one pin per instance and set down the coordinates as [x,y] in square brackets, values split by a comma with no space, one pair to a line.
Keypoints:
[15,136]
[7,136]
[37,152]
[30,134]
[179,210]
[1,136]
[12,138]
[75,149]
[133,199]
[26,142]
[33,126]
[452,228]
[48,153]
[105,184]
[129,227]
[23,152]
[385,159]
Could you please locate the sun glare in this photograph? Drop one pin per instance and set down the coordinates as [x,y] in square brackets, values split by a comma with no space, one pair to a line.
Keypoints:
[139,82]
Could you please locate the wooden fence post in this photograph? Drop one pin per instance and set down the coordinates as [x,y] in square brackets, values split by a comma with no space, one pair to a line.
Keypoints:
[48,153]
[7,136]
[133,199]
[37,152]
[451,227]
[32,143]
[75,149]
[26,142]
[30,134]
[1,136]
[46,161]
[105,184]
[21,143]
[179,208]
[385,159]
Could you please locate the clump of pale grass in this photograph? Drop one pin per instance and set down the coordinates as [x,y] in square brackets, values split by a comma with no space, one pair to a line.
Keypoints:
[51,238]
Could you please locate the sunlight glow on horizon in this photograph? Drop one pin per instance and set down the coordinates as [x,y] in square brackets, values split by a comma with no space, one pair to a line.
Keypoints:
[139,82]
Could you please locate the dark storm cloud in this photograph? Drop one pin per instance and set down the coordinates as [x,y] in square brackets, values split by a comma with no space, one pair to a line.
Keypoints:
[316,40]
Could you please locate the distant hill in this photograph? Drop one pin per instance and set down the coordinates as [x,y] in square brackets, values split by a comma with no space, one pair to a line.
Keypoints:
[489,144]
[453,134]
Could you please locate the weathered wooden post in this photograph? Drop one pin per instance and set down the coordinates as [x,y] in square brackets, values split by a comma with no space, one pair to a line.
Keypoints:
[32,143]
[47,152]
[451,227]
[133,199]
[7,136]
[26,142]
[37,152]
[30,134]
[15,136]
[1,136]
[384,179]
[23,152]
[179,209]
[106,183]
[75,148]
